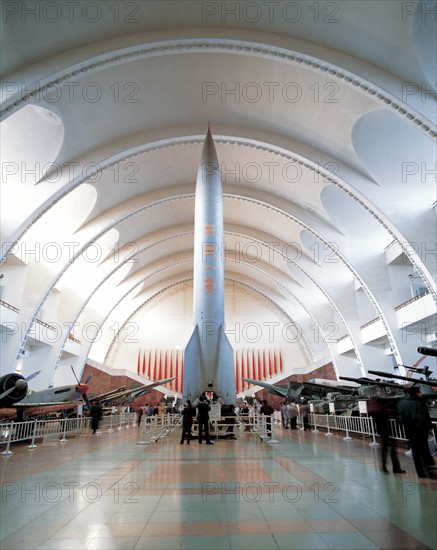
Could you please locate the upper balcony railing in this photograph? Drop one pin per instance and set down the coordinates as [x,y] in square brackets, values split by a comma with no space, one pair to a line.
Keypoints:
[9,306]
[370,322]
[411,300]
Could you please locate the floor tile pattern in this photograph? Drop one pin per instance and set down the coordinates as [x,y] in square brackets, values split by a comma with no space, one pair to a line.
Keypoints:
[307,491]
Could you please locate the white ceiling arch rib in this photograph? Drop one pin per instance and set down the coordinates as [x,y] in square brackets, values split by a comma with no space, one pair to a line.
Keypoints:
[247,48]
[307,163]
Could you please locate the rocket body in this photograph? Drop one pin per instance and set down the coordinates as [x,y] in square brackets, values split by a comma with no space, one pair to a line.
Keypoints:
[209,358]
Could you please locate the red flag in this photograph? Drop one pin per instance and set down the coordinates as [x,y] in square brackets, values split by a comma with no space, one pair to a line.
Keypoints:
[237,377]
[143,366]
[158,365]
[181,377]
[244,368]
[176,372]
[149,365]
[153,367]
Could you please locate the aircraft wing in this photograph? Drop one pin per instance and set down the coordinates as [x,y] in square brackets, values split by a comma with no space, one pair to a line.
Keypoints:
[133,393]
[292,390]
[102,397]
[18,410]
[64,404]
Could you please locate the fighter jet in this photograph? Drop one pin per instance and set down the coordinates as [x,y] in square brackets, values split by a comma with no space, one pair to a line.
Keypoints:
[37,403]
[34,403]
[125,395]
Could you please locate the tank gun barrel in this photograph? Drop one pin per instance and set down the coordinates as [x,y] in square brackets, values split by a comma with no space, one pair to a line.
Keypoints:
[425,350]
[370,382]
[432,383]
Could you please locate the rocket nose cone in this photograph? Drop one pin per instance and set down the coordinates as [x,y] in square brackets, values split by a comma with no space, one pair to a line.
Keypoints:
[209,153]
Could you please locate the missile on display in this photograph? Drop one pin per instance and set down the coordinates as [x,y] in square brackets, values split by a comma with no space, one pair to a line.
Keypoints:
[209,357]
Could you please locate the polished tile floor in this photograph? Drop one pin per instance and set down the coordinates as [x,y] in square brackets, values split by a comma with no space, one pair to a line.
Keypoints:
[307,491]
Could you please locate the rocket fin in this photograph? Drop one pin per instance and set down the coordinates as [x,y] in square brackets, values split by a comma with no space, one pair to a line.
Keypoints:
[193,368]
[220,372]
[226,370]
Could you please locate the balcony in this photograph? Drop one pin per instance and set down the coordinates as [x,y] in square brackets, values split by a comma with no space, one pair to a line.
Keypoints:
[8,314]
[344,344]
[416,309]
[373,330]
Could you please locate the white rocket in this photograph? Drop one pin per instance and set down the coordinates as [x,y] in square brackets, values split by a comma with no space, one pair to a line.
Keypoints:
[209,358]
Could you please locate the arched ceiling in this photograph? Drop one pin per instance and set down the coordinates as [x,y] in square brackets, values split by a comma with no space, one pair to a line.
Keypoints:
[324,120]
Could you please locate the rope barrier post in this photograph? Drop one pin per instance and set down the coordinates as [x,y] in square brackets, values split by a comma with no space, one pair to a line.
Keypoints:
[32,446]
[328,433]
[7,452]
[315,430]
[144,441]
[121,419]
[64,439]
[347,437]
[374,443]
[110,424]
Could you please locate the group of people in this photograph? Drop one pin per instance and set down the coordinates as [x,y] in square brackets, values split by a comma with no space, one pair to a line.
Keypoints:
[412,412]
[149,410]
[289,414]
[201,411]
[414,415]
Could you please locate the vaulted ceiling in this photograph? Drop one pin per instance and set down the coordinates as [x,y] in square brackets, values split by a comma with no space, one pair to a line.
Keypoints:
[324,120]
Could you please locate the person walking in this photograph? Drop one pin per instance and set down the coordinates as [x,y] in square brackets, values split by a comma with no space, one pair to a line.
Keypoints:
[292,415]
[203,409]
[96,416]
[284,415]
[140,413]
[304,411]
[414,415]
[381,418]
[188,415]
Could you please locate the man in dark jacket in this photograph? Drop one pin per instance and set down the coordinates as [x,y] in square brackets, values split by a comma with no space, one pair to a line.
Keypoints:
[414,415]
[203,409]
[96,416]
